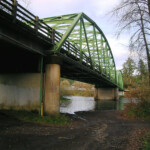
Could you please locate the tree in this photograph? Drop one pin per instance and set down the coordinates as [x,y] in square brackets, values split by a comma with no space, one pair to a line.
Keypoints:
[134,16]
[141,68]
[79,84]
[128,68]
[65,83]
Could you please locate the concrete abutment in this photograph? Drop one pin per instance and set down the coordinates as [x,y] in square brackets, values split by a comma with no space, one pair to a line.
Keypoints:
[19,91]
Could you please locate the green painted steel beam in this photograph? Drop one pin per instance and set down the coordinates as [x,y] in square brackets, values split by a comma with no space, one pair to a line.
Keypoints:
[81,51]
[95,36]
[89,41]
[68,32]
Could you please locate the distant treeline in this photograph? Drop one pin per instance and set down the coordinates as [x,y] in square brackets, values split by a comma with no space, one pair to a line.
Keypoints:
[75,88]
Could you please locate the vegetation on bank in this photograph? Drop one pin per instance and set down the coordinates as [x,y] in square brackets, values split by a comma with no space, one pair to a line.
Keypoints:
[140,91]
[138,111]
[136,81]
[33,116]
[63,99]
[75,88]
[77,93]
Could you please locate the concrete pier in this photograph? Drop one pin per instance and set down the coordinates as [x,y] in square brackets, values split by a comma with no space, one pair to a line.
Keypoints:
[116,93]
[52,87]
[106,94]
[96,93]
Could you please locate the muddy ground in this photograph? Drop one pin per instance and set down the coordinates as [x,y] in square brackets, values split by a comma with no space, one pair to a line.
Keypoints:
[98,130]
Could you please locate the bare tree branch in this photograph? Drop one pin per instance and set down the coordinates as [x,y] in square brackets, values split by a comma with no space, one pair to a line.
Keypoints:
[134,16]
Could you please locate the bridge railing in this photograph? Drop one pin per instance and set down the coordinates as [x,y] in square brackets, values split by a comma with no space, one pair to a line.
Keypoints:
[18,12]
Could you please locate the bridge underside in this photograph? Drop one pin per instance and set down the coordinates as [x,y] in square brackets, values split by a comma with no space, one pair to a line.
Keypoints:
[75,71]
[14,59]
[21,61]
[17,60]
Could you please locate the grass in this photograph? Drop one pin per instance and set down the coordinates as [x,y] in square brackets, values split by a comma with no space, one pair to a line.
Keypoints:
[63,99]
[33,116]
[147,145]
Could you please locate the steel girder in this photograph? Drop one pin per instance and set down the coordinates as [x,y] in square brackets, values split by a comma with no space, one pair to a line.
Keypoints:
[80,36]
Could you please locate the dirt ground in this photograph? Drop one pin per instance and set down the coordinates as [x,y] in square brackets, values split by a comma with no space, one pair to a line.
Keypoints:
[98,130]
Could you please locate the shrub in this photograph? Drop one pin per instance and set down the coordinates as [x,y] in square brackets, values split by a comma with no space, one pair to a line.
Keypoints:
[140,110]
[142,93]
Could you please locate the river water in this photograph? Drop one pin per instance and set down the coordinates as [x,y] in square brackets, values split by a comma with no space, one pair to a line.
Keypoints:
[80,103]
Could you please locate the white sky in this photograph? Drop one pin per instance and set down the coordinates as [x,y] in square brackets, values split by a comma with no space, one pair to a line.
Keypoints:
[97,10]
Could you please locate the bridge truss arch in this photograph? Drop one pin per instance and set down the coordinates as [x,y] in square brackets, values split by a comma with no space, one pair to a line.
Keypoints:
[81,37]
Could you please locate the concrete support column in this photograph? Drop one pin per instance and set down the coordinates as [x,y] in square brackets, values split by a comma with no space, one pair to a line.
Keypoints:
[52,89]
[116,93]
[107,94]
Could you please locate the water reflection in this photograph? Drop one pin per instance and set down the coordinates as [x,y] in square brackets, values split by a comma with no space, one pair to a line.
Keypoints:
[106,105]
[79,103]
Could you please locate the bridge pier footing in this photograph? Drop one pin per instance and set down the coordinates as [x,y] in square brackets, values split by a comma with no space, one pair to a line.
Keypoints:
[52,88]
[106,94]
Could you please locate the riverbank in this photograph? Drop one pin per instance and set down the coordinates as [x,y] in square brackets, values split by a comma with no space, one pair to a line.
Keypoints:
[104,130]
[34,117]
[63,99]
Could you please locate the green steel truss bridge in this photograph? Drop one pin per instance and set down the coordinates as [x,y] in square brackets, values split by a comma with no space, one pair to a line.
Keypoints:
[77,39]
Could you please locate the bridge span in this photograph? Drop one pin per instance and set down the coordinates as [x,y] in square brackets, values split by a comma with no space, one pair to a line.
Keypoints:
[39,51]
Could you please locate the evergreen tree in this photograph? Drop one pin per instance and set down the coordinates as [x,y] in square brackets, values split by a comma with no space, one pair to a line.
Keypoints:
[141,68]
[129,68]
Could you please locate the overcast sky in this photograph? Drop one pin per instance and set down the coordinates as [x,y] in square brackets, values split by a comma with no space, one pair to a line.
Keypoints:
[97,10]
